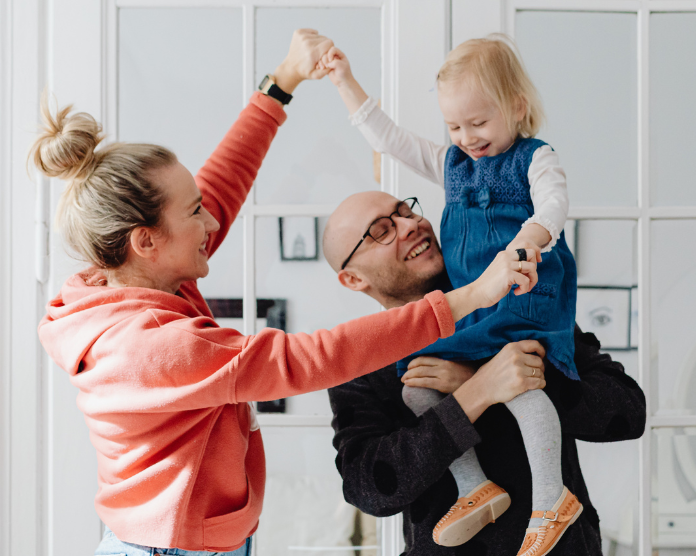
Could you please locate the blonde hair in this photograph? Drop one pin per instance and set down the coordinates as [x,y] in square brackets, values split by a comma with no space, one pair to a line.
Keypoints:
[494,68]
[110,191]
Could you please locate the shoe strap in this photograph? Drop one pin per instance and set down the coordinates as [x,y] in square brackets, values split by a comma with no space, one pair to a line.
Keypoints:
[551,516]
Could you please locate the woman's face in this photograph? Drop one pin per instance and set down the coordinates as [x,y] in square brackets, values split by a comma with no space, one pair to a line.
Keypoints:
[181,246]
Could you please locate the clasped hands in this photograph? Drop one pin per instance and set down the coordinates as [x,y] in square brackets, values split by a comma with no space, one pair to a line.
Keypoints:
[518,367]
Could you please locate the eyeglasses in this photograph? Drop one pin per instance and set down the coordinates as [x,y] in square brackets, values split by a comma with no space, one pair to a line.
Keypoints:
[383,230]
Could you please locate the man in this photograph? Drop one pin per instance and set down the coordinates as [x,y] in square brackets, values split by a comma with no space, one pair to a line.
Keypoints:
[392,461]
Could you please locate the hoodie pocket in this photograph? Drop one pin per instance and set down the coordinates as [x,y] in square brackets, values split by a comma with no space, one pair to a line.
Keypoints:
[223,531]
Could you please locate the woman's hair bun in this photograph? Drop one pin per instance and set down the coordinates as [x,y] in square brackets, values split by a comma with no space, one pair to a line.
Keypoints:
[65,148]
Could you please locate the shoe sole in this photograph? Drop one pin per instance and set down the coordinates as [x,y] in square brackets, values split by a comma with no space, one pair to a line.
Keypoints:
[464,529]
[572,520]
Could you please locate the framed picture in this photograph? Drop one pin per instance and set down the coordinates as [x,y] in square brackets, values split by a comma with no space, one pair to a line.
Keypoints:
[606,311]
[299,238]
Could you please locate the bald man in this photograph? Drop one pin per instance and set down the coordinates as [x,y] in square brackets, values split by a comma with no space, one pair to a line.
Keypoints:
[392,461]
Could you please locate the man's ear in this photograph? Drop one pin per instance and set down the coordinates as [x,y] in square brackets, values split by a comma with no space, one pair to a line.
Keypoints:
[352,281]
[142,242]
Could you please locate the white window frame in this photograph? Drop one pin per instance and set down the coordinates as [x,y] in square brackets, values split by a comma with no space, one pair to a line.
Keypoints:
[501,15]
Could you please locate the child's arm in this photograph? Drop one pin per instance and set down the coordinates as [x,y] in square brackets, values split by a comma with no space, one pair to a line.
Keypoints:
[424,157]
[549,194]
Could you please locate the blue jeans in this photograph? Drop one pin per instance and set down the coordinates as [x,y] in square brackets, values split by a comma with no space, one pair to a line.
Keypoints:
[111,546]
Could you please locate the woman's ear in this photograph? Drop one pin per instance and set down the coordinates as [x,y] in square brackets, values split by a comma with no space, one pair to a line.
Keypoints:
[349,279]
[142,242]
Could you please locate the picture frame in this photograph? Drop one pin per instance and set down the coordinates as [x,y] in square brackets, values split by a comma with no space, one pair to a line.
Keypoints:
[299,238]
[607,312]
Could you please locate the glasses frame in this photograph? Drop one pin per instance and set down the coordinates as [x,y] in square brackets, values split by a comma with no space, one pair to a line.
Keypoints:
[396,212]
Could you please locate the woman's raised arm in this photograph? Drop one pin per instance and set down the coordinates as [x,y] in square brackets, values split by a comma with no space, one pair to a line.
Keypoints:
[227,176]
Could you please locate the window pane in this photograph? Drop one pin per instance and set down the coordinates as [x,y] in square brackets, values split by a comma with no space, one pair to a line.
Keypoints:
[674,491]
[313,297]
[317,156]
[585,68]
[172,92]
[672,117]
[304,509]
[607,293]
[180,78]
[672,319]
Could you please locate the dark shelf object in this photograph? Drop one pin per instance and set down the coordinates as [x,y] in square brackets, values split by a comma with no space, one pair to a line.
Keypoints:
[273,310]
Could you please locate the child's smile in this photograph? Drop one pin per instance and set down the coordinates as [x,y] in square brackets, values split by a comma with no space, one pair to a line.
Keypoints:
[476,125]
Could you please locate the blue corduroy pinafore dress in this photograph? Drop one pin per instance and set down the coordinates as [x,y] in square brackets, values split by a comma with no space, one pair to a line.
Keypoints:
[487,201]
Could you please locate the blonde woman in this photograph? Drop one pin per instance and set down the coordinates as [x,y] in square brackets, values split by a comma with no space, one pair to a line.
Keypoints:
[504,190]
[163,388]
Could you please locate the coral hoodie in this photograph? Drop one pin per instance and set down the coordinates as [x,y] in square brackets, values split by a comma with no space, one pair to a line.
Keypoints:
[164,388]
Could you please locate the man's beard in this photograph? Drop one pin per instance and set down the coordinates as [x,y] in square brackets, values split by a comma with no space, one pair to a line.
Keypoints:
[403,286]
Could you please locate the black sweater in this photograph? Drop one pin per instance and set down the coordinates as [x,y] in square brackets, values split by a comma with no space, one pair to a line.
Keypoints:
[393,462]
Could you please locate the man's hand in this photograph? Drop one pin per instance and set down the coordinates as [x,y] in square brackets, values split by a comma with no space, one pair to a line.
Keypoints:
[437,374]
[518,367]
[306,49]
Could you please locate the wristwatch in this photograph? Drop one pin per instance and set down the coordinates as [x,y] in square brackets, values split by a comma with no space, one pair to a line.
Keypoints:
[268,87]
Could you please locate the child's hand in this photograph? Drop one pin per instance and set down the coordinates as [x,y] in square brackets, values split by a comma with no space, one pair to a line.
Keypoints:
[337,62]
[532,236]
[437,374]
[519,243]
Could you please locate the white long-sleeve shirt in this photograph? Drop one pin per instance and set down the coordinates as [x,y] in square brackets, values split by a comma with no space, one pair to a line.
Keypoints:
[547,180]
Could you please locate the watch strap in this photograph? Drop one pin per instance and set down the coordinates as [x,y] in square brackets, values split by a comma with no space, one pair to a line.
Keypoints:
[268,87]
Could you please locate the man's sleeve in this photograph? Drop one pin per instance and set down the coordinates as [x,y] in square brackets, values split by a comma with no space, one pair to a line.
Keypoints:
[385,465]
[605,405]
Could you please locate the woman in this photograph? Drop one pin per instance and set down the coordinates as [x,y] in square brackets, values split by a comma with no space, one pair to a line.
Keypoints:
[162,387]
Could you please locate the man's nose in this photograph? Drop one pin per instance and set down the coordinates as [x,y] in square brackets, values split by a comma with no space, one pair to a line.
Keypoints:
[405,226]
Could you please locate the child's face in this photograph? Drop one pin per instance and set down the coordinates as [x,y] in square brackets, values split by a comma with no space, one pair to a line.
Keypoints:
[475,123]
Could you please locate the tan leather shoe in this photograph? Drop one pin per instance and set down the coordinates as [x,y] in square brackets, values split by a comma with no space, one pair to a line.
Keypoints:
[470,514]
[541,540]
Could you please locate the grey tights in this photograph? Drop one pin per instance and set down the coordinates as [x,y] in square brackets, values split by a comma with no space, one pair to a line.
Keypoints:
[541,432]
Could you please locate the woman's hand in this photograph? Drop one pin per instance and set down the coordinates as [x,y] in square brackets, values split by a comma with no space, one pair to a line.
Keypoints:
[437,374]
[306,49]
[518,367]
[502,274]
[505,271]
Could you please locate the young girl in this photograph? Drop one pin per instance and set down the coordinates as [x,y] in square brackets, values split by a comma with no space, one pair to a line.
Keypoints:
[504,189]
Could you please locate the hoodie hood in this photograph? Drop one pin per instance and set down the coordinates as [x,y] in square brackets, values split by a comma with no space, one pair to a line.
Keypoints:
[84,310]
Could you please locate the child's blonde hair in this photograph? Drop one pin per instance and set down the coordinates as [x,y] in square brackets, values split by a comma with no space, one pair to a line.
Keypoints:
[494,68]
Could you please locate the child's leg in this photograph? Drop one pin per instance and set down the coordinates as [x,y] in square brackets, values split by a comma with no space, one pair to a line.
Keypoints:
[466,468]
[541,432]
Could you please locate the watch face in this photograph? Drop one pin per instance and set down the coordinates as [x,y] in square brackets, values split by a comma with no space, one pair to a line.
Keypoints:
[264,81]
